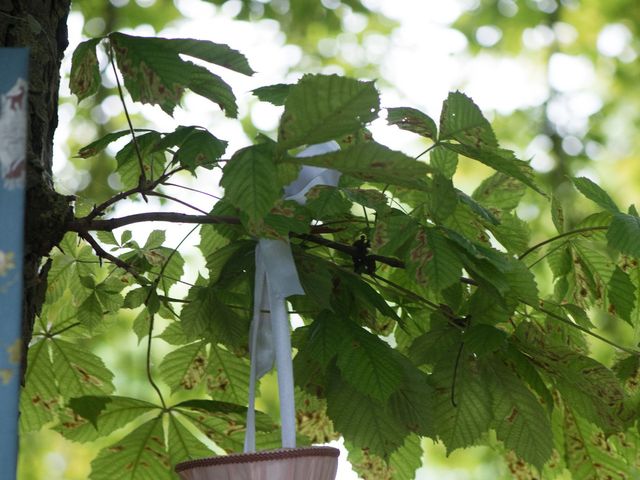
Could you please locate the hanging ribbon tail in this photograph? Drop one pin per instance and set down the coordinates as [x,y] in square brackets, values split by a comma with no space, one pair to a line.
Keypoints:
[276,278]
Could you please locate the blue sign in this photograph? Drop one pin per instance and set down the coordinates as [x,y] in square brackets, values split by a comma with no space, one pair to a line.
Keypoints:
[13,144]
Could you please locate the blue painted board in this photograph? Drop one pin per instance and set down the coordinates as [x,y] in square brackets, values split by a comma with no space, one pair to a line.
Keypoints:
[13,135]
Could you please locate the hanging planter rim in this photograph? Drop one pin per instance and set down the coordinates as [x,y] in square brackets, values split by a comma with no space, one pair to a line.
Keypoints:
[268,455]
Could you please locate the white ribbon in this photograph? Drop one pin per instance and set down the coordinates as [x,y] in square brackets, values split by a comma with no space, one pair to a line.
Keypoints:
[276,278]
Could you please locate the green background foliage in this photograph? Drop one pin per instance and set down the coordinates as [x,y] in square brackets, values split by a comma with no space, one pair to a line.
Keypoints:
[482,326]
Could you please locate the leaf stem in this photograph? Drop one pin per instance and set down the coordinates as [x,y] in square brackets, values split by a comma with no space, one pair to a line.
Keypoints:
[143,179]
[428,150]
[557,237]
[581,328]
[149,375]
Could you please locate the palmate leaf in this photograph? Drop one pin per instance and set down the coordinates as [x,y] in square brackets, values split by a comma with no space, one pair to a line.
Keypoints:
[363,421]
[372,162]
[39,398]
[223,423]
[184,367]
[367,362]
[460,425]
[199,149]
[276,94]
[324,107]
[141,455]
[500,191]
[444,161]
[251,181]
[624,234]
[592,390]
[519,419]
[431,261]
[393,233]
[589,455]
[412,120]
[402,464]
[98,416]
[85,72]
[79,371]
[183,445]
[227,376]
[622,295]
[154,73]
[500,160]
[462,120]
[596,194]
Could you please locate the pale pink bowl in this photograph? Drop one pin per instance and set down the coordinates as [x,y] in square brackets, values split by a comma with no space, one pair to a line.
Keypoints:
[307,463]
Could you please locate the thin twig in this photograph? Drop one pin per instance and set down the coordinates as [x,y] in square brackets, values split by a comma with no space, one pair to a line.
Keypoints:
[557,237]
[195,190]
[102,253]
[143,177]
[177,200]
[581,328]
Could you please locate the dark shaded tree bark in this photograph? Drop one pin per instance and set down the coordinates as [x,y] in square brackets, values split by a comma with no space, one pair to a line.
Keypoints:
[40,25]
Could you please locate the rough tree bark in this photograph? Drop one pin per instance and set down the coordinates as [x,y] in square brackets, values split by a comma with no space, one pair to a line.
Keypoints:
[40,25]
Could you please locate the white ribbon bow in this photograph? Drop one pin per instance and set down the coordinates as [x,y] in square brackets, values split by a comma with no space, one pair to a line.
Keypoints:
[277,278]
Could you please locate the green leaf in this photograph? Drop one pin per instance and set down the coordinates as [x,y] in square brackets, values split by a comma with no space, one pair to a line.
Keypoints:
[482,339]
[512,233]
[99,145]
[207,315]
[431,260]
[39,397]
[250,181]
[221,425]
[624,234]
[184,367]
[412,120]
[367,362]
[90,312]
[325,202]
[591,389]
[141,455]
[216,53]
[596,194]
[557,214]
[129,163]
[520,421]
[183,445]
[372,162]
[200,149]
[622,294]
[324,107]
[227,376]
[85,72]
[443,160]
[436,344]
[500,191]
[480,211]
[154,73]
[443,198]
[113,413]
[107,237]
[276,94]
[462,120]
[393,233]
[588,454]
[80,371]
[402,464]
[503,161]
[462,404]
[362,420]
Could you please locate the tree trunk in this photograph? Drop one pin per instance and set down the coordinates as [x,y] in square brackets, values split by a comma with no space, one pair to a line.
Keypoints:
[40,25]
